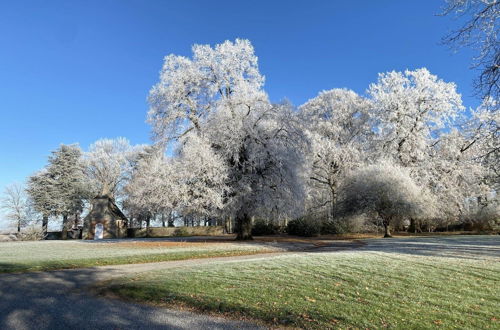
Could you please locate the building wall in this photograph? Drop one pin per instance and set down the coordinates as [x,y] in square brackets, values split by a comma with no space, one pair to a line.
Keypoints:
[114,226]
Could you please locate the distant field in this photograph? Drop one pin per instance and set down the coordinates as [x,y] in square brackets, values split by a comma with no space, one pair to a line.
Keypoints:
[405,283]
[49,255]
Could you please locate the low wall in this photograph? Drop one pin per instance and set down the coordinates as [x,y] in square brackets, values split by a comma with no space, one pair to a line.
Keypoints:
[176,231]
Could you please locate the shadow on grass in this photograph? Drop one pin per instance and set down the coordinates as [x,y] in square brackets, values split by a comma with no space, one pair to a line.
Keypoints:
[462,247]
[279,315]
[58,300]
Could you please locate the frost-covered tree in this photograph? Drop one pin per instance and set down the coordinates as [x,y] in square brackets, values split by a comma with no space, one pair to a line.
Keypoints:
[226,76]
[410,109]
[217,96]
[59,189]
[155,188]
[481,141]
[15,204]
[337,126]
[262,151]
[108,164]
[463,164]
[480,32]
[201,178]
[385,191]
[41,190]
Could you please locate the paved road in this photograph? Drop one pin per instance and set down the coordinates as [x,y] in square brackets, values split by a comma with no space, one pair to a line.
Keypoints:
[56,300]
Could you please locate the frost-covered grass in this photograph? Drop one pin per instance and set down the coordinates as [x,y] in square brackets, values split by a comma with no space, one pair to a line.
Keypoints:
[49,255]
[364,288]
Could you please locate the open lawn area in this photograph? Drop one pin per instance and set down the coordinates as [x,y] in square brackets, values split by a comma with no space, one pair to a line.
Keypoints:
[50,255]
[425,282]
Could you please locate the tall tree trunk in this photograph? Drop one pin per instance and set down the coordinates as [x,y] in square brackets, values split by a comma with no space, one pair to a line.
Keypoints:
[19,225]
[64,233]
[243,226]
[171,220]
[414,226]
[45,224]
[228,225]
[77,220]
[148,222]
[387,229]
[163,220]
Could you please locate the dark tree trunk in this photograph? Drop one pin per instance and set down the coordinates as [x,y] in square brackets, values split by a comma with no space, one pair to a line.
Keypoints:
[163,220]
[77,220]
[45,224]
[414,226]
[243,227]
[148,222]
[64,233]
[19,226]
[387,229]
[171,220]
[228,226]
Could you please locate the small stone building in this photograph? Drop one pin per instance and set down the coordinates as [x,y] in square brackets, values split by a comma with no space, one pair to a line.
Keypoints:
[106,212]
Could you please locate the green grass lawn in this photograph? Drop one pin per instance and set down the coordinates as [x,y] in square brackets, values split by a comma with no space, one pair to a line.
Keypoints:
[352,289]
[51,255]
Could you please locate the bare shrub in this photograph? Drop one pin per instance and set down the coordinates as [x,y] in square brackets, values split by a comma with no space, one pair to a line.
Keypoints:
[31,233]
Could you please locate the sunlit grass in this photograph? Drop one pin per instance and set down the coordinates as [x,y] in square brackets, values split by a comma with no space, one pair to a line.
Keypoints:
[50,255]
[360,289]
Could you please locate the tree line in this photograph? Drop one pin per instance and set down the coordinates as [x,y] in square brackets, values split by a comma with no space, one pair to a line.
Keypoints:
[406,151]
[405,154]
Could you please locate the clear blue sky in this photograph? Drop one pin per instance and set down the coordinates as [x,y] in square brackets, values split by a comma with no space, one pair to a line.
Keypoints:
[76,71]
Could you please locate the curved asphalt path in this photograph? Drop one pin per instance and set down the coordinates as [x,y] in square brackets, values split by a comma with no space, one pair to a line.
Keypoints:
[57,300]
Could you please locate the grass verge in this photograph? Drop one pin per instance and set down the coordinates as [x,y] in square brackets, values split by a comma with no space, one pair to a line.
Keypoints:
[333,290]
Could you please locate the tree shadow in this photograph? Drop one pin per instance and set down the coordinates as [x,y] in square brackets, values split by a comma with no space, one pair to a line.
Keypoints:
[461,247]
[59,300]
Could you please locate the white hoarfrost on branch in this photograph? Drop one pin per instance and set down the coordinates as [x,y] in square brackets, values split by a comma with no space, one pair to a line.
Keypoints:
[217,96]
[410,109]
[15,204]
[336,123]
[385,191]
[109,163]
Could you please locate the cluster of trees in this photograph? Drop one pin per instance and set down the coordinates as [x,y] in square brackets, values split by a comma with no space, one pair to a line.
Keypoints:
[407,152]
[71,178]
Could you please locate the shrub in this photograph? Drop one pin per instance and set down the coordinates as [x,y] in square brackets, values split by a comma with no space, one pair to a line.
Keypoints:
[304,226]
[31,234]
[262,227]
[352,224]
[336,226]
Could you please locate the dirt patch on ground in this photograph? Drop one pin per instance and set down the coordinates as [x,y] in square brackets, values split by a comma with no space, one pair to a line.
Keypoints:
[165,244]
